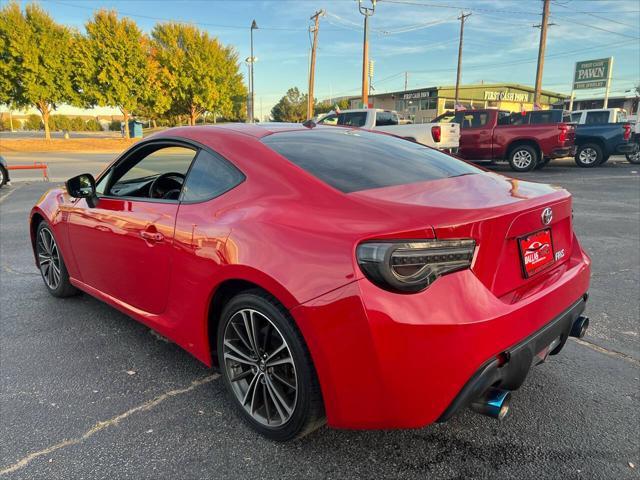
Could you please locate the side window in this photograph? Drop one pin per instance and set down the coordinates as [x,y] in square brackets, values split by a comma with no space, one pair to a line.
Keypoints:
[209,177]
[329,120]
[134,177]
[480,119]
[355,119]
[575,117]
[386,118]
[597,117]
[543,117]
[504,118]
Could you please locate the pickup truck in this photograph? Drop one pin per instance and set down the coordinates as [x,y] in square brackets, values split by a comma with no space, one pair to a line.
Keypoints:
[435,135]
[526,141]
[601,133]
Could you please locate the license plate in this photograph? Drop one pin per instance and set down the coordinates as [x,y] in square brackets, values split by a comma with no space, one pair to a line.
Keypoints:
[536,252]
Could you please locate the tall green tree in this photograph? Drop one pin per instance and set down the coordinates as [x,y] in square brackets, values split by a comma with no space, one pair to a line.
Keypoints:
[113,64]
[35,61]
[291,108]
[199,73]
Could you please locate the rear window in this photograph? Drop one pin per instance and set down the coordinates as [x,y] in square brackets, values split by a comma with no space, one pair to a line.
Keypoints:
[353,160]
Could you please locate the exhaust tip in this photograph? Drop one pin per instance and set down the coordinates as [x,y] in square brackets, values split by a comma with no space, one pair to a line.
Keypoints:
[494,403]
[580,326]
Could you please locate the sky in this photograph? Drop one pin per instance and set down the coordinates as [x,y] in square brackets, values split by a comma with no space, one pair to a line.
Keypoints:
[415,36]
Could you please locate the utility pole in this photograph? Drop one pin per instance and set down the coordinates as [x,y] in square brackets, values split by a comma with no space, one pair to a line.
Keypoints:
[541,49]
[406,80]
[254,26]
[462,19]
[370,73]
[312,69]
[367,12]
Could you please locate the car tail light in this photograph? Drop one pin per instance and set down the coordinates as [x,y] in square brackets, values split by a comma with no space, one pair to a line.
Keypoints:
[411,266]
[562,137]
[627,131]
[436,133]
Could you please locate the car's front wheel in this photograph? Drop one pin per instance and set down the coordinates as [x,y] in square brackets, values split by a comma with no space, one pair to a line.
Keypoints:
[267,368]
[634,157]
[51,264]
[3,176]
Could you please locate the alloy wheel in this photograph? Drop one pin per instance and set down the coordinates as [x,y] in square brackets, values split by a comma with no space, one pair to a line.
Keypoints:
[588,156]
[260,367]
[48,258]
[522,159]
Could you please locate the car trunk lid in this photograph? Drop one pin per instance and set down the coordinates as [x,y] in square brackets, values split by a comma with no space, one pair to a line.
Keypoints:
[493,210]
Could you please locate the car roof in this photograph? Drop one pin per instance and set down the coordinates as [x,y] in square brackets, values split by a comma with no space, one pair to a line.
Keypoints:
[257,130]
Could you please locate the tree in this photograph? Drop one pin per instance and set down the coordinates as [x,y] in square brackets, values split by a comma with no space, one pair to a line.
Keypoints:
[291,108]
[325,107]
[35,61]
[198,72]
[113,64]
[33,122]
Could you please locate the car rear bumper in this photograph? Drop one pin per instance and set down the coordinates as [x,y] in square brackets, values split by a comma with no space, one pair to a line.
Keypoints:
[563,152]
[510,370]
[386,360]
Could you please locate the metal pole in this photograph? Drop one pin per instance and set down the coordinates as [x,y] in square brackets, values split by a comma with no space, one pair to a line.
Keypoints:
[254,26]
[573,94]
[365,64]
[367,12]
[252,94]
[462,18]
[541,49]
[606,92]
[312,66]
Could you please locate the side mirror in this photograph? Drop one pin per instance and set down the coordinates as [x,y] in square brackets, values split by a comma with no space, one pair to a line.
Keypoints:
[82,186]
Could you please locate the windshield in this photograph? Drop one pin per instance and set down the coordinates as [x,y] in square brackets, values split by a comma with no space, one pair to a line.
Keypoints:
[353,160]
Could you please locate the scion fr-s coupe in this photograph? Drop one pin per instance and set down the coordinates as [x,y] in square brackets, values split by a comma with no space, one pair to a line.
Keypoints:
[331,273]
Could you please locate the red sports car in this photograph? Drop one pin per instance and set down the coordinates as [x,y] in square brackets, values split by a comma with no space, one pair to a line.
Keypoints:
[331,273]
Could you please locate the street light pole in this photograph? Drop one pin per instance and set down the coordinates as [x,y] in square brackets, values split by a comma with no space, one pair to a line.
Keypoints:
[254,26]
[367,12]
[462,18]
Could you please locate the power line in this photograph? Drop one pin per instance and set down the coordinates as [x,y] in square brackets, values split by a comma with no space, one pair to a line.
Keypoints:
[594,15]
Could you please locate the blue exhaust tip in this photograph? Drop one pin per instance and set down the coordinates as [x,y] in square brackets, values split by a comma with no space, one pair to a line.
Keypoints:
[493,403]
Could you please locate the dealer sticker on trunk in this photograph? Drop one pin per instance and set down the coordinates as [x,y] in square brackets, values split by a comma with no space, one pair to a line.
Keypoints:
[536,251]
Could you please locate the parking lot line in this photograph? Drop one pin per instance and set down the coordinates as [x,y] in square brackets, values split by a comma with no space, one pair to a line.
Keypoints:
[107,423]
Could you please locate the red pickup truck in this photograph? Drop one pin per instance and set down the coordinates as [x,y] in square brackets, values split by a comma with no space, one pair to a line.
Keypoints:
[525,141]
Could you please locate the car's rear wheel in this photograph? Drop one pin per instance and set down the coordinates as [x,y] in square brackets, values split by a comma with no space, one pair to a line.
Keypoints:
[523,158]
[589,155]
[267,368]
[51,264]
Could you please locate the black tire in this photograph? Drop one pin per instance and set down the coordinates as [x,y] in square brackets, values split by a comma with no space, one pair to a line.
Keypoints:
[62,288]
[543,163]
[634,157]
[589,155]
[523,158]
[308,409]
[3,176]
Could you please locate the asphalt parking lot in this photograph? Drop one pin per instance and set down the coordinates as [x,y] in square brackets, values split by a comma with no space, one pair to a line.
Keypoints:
[87,392]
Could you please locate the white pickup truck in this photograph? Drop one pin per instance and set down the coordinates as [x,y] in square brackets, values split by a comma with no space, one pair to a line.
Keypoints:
[443,136]
[599,116]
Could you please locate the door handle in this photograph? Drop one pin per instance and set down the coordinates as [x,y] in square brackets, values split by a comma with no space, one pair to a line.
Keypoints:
[152,236]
